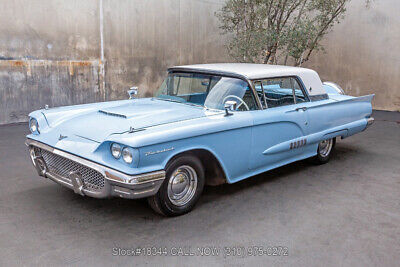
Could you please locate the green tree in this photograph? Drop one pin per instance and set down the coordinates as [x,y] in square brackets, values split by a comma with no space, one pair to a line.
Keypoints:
[278,31]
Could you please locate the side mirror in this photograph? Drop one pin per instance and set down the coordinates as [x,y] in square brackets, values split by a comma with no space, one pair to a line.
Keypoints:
[132,92]
[229,105]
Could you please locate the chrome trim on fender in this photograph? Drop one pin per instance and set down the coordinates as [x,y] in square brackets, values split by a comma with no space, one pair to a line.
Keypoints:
[370,121]
[133,186]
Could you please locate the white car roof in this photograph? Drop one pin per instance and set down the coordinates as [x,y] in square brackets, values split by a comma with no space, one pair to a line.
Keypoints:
[310,78]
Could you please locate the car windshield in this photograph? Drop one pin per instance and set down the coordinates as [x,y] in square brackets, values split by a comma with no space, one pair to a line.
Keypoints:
[206,90]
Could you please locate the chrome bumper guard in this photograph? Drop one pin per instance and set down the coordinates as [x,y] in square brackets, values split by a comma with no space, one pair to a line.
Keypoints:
[117,184]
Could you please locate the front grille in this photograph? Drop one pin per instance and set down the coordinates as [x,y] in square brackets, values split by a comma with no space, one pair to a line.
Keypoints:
[92,179]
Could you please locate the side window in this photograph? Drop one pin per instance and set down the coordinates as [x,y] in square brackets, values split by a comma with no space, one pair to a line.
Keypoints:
[281,92]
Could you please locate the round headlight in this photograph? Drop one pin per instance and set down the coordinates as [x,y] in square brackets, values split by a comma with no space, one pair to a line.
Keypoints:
[127,155]
[34,126]
[116,150]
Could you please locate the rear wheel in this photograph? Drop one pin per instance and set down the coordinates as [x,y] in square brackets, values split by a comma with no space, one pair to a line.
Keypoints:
[182,187]
[324,151]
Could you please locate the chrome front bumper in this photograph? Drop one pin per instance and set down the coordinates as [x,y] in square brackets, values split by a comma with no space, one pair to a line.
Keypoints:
[116,184]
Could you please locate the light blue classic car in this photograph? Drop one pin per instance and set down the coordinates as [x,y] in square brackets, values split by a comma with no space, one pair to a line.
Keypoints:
[207,124]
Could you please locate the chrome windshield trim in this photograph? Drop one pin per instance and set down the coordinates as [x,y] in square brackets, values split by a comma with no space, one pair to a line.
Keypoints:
[255,95]
[111,175]
[222,74]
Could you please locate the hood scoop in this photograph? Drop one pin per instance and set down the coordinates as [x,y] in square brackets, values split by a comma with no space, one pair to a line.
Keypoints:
[112,114]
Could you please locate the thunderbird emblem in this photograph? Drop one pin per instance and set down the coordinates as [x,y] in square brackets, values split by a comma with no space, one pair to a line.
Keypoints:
[61,137]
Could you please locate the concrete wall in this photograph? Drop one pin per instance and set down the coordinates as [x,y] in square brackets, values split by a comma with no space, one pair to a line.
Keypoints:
[48,55]
[144,38]
[363,53]
[50,51]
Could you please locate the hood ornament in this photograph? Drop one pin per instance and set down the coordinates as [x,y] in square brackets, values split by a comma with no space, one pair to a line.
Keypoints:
[132,92]
[62,137]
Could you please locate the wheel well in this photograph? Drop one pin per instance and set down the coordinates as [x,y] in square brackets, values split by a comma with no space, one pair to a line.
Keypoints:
[214,174]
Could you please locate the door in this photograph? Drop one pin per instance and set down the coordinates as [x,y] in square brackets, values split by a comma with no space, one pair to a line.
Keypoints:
[280,129]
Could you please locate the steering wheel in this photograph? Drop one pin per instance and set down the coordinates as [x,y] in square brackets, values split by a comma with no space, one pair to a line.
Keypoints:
[237,98]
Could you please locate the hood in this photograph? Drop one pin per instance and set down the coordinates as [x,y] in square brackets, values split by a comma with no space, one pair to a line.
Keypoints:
[98,122]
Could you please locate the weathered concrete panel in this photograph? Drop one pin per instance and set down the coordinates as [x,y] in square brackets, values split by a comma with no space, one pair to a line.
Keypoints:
[49,29]
[141,39]
[27,85]
[49,54]
[363,53]
[144,38]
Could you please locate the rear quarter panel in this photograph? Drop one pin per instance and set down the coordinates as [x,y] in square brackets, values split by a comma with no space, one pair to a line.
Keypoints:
[340,115]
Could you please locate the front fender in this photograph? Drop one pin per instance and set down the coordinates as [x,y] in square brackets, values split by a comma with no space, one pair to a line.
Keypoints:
[41,119]
[193,148]
[231,149]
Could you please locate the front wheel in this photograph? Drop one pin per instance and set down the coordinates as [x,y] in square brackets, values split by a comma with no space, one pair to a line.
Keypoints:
[324,151]
[182,187]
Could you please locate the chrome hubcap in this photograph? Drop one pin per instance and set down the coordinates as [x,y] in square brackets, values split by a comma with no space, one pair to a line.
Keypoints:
[182,185]
[325,147]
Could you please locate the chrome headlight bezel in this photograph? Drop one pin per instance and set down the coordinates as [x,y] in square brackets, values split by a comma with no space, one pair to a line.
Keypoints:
[116,150]
[34,126]
[127,155]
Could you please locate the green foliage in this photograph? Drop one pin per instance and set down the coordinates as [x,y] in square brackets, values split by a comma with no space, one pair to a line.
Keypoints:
[278,31]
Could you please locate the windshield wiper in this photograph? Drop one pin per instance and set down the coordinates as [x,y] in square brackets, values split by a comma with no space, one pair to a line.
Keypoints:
[169,99]
[193,104]
[177,101]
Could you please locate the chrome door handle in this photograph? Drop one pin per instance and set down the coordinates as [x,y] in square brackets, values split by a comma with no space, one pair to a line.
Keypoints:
[302,108]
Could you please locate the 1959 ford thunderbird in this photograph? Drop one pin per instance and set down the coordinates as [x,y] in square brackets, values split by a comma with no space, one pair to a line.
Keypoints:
[207,124]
